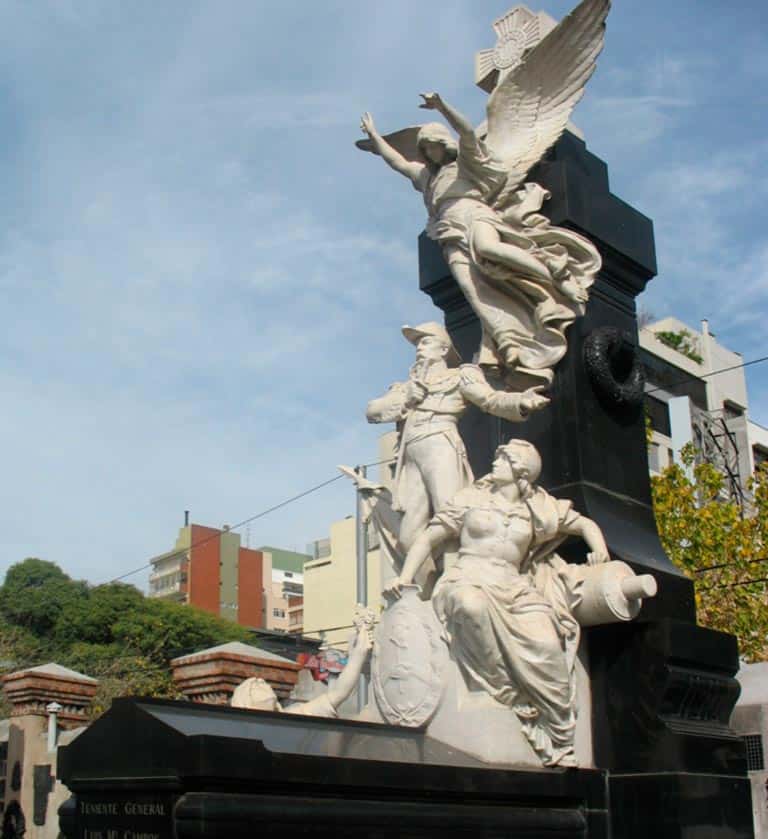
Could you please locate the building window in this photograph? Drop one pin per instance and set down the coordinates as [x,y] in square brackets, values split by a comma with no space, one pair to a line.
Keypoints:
[760,456]
[755,760]
[278,613]
[658,413]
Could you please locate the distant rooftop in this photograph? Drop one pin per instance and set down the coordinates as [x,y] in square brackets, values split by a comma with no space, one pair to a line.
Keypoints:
[238,648]
[58,670]
[286,560]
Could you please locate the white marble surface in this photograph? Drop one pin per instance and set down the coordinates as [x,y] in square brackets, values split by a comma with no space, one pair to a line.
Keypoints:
[525,279]
[432,464]
[488,654]
[517,31]
[510,611]
[257,694]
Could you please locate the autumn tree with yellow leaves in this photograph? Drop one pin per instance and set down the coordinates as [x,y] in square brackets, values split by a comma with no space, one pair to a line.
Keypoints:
[719,545]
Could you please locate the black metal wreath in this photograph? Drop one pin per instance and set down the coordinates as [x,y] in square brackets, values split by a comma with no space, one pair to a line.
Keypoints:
[614,367]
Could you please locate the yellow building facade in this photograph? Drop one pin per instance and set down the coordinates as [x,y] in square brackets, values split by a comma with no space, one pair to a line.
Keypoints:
[330,583]
[330,577]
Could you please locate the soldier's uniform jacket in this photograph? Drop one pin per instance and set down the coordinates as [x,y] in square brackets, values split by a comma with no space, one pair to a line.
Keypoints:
[449,393]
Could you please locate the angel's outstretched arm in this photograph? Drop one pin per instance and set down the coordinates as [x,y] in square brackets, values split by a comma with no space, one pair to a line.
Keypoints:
[457,121]
[391,156]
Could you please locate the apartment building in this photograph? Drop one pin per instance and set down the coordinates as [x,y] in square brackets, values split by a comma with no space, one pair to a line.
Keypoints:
[687,404]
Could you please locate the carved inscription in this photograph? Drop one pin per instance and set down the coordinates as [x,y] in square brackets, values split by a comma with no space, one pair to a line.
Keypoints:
[146,818]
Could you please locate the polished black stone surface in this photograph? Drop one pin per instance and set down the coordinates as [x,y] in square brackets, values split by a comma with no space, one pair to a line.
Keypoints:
[662,696]
[663,688]
[593,447]
[176,769]
[681,806]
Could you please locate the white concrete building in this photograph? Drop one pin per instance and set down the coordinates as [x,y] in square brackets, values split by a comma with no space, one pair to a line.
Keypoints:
[688,404]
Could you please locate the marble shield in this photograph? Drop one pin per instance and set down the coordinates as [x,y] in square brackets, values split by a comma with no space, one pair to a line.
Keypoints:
[409,660]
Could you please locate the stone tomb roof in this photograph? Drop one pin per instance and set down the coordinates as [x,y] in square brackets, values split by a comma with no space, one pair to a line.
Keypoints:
[30,691]
[212,675]
[61,672]
[237,648]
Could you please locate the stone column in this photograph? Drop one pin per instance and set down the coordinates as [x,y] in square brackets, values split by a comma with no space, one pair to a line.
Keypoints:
[662,687]
[211,676]
[31,779]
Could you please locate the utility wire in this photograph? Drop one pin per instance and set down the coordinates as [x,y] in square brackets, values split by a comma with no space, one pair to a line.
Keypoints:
[713,373]
[237,526]
[736,585]
[390,460]
[727,565]
[216,535]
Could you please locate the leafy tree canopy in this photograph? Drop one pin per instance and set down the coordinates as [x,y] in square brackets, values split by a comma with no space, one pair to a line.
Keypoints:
[91,618]
[723,548]
[35,593]
[110,632]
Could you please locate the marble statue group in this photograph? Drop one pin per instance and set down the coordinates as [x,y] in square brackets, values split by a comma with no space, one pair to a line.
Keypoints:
[484,552]
[525,279]
[482,612]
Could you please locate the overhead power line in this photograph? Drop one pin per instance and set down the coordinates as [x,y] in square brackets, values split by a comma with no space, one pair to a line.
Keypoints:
[242,523]
[736,585]
[390,460]
[728,565]
[712,373]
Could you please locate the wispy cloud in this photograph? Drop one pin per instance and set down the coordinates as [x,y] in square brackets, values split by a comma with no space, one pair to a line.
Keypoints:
[203,281]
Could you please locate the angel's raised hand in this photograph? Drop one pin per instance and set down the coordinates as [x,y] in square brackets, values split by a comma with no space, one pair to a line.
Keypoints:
[367,124]
[432,101]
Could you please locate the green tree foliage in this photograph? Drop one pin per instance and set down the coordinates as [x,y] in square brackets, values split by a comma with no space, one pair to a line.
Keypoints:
[162,631]
[35,593]
[719,547]
[683,342]
[110,632]
[91,618]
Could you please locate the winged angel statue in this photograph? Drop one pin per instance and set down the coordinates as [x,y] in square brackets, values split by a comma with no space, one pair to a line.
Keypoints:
[525,279]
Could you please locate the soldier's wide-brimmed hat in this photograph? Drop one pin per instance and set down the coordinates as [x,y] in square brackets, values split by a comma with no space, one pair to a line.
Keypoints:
[415,333]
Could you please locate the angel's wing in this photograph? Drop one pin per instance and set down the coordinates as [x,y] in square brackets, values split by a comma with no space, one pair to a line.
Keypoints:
[529,109]
[403,141]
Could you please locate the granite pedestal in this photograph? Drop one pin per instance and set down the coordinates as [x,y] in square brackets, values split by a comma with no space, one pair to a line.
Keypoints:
[162,769]
[663,688]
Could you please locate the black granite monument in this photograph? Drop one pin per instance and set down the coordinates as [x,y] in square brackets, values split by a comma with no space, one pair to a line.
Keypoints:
[663,688]
[153,769]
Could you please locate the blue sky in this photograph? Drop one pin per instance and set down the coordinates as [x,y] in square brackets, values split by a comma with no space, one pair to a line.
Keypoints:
[203,281]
